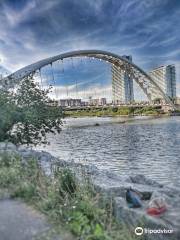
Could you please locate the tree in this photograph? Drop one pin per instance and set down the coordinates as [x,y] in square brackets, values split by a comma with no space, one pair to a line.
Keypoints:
[9,114]
[30,114]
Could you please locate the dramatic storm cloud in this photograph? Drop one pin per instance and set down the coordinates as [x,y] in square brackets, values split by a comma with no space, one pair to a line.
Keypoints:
[148,30]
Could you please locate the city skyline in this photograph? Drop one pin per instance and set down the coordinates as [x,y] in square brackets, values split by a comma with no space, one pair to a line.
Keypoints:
[32,30]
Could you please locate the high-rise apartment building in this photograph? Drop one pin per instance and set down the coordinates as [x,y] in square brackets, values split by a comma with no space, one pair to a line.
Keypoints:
[165,77]
[122,85]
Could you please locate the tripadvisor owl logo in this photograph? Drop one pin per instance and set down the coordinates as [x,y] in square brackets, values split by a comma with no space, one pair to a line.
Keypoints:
[139,231]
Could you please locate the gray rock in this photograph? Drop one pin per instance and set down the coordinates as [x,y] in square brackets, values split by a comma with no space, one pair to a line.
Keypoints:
[118,188]
[27,154]
[9,152]
[11,146]
[7,146]
[22,148]
[141,179]
[3,145]
[45,156]
[138,218]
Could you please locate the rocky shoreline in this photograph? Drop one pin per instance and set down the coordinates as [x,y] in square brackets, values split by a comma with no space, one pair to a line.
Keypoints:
[114,186]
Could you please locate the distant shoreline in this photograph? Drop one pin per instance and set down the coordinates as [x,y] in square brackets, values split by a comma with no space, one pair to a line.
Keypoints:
[115,112]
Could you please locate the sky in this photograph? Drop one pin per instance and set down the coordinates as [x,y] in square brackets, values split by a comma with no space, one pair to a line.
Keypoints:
[149,30]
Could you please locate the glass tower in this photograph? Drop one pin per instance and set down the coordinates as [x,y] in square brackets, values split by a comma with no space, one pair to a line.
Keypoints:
[165,77]
[122,85]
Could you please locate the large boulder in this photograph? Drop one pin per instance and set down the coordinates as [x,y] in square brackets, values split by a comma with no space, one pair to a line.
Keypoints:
[138,218]
[141,179]
[7,146]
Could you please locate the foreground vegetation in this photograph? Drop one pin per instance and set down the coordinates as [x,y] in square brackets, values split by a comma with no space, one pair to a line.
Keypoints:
[26,116]
[114,111]
[62,198]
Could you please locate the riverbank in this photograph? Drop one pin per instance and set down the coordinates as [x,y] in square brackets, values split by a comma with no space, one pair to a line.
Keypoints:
[56,191]
[44,190]
[115,111]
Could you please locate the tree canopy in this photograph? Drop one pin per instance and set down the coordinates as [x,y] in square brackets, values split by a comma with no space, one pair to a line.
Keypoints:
[27,115]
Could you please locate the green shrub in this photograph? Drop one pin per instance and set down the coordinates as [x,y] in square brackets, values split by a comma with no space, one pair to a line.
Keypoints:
[114,109]
[8,177]
[8,160]
[65,182]
[25,190]
[10,170]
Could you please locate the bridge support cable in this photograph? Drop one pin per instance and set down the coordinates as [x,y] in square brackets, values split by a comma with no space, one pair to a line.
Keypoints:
[72,63]
[76,86]
[54,82]
[41,80]
[67,91]
[61,65]
[46,78]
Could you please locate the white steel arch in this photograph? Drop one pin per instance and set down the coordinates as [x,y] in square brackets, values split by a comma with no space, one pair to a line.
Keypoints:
[146,83]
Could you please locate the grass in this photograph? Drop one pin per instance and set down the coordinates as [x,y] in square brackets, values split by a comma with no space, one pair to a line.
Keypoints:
[61,197]
[112,111]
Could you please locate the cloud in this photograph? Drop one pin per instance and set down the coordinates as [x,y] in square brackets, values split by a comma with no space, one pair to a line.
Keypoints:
[15,17]
[149,30]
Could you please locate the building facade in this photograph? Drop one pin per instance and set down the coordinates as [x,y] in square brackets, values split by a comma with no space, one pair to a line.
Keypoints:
[103,101]
[178,100]
[97,101]
[165,77]
[122,85]
[70,102]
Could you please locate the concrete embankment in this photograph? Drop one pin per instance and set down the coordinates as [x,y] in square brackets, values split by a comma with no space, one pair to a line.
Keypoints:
[114,186]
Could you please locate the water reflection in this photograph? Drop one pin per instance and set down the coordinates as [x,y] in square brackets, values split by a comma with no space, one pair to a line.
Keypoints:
[149,146]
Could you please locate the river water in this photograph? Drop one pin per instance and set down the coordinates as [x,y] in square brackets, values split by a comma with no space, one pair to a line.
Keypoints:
[141,145]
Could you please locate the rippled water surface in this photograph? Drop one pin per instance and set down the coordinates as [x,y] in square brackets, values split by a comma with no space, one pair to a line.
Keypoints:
[139,146]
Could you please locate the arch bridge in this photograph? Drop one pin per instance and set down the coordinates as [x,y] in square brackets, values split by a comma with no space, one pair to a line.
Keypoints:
[145,82]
